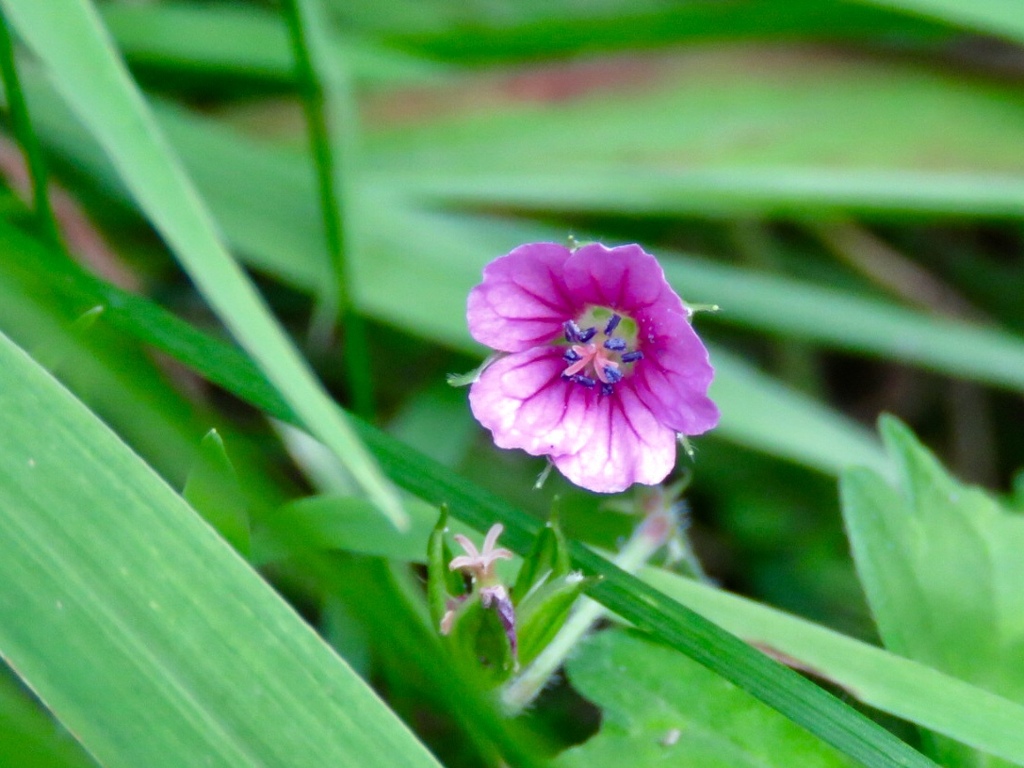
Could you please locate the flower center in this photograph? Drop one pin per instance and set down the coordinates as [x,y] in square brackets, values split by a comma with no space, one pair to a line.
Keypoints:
[598,356]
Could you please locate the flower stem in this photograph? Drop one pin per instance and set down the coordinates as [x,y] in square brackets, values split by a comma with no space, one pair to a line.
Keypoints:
[336,299]
[652,533]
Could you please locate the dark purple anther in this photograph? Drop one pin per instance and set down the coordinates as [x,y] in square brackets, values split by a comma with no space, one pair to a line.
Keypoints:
[614,375]
[586,335]
[572,331]
[632,357]
[586,381]
[571,357]
[615,344]
[607,389]
[613,323]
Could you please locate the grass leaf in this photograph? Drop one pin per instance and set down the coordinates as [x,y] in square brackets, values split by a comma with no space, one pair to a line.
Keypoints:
[68,37]
[140,628]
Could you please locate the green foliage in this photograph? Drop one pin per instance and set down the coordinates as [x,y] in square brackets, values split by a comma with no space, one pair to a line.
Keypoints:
[876,677]
[941,567]
[659,708]
[191,658]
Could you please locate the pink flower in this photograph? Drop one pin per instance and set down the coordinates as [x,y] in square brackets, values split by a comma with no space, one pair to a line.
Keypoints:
[603,369]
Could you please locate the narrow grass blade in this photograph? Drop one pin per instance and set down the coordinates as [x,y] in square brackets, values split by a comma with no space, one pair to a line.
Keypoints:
[231,42]
[780,191]
[1003,18]
[69,39]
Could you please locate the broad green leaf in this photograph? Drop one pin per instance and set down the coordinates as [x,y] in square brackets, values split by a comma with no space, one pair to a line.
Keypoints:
[192,659]
[941,566]
[67,36]
[877,677]
[212,489]
[660,708]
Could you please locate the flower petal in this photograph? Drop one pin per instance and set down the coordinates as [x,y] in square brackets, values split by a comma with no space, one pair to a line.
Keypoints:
[492,537]
[625,278]
[627,445]
[525,402]
[673,378]
[467,545]
[523,300]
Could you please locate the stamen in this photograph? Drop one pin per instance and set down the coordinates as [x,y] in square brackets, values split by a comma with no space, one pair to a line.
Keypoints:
[615,344]
[607,389]
[586,381]
[612,375]
[572,331]
[571,356]
[586,335]
[632,357]
[613,323]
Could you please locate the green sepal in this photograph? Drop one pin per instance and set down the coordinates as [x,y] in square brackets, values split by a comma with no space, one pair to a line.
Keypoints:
[212,489]
[544,611]
[441,581]
[548,559]
[479,641]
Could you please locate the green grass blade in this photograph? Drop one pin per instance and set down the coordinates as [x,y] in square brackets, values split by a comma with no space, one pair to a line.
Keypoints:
[140,628]
[1004,18]
[240,42]
[69,39]
[526,31]
[780,191]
